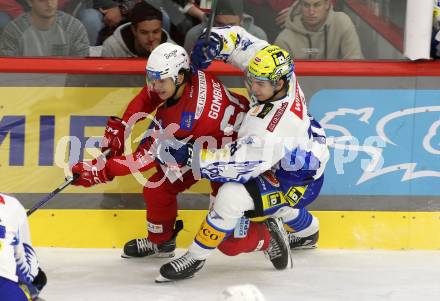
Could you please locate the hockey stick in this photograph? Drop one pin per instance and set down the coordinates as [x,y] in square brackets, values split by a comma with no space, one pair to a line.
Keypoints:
[210,21]
[60,188]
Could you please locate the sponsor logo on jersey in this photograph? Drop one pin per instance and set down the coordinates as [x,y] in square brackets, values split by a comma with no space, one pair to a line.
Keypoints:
[217,97]
[187,120]
[273,199]
[266,109]
[235,38]
[297,106]
[255,110]
[201,97]
[155,228]
[277,117]
[295,194]
[245,44]
[2,231]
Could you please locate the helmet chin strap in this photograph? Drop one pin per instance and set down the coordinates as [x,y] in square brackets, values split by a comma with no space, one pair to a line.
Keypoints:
[176,88]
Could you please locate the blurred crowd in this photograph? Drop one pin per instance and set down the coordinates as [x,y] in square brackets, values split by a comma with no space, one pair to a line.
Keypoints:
[308,29]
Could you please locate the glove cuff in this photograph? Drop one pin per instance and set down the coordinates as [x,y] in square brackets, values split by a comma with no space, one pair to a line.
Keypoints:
[107,176]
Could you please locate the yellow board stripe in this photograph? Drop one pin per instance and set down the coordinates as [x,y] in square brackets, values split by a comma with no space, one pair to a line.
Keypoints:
[338,229]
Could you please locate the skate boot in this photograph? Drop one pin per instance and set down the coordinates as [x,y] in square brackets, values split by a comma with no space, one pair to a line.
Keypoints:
[142,247]
[179,269]
[278,251]
[308,242]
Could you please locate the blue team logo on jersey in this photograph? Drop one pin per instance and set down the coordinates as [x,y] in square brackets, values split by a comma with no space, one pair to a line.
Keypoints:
[187,120]
[2,231]
[229,171]
[393,139]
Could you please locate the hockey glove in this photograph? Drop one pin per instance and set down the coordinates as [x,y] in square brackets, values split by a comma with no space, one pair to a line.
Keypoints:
[204,52]
[90,173]
[173,152]
[40,280]
[114,136]
[183,155]
[33,289]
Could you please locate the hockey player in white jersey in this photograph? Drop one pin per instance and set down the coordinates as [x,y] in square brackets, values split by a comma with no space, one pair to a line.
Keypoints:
[276,165]
[21,278]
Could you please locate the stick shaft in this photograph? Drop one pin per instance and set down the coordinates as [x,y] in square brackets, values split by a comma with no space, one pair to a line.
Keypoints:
[60,188]
[210,20]
[48,197]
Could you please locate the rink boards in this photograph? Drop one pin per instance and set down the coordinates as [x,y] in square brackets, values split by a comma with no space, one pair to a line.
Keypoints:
[393,122]
[338,229]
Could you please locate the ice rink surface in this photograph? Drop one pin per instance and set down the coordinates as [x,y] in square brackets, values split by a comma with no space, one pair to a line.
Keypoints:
[101,274]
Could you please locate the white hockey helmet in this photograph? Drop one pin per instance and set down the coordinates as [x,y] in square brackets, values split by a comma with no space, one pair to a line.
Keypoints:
[166,60]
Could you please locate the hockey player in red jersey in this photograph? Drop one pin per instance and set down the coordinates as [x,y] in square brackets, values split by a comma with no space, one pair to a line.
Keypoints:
[198,105]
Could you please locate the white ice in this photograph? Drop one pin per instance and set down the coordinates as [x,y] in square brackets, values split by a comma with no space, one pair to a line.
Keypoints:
[100,274]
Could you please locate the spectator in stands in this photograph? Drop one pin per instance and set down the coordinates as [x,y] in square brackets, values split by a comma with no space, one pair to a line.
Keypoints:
[269,14]
[435,41]
[8,10]
[94,14]
[180,17]
[44,31]
[139,37]
[228,12]
[313,30]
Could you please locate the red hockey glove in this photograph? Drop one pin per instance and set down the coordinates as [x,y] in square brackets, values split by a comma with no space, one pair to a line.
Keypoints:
[114,136]
[91,172]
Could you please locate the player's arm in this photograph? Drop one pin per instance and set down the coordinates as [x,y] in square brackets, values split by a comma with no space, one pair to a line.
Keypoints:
[255,151]
[143,102]
[232,44]
[28,269]
[103,170]
[114,135]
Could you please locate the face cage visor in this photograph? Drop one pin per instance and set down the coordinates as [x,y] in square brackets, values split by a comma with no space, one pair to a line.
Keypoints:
[155,80]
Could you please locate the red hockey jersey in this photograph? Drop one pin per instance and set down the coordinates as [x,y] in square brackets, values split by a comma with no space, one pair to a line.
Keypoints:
[206,109]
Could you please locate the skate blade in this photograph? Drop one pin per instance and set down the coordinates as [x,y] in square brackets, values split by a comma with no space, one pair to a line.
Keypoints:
[311,247]
[162,279]
[157,255]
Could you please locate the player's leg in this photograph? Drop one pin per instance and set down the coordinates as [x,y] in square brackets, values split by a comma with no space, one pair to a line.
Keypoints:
[252,236]
[161,203]
[302,226]
[248,236]
[232,201]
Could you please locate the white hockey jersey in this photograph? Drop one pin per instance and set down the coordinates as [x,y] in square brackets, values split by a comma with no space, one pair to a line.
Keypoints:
[279,135]
[18,261]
